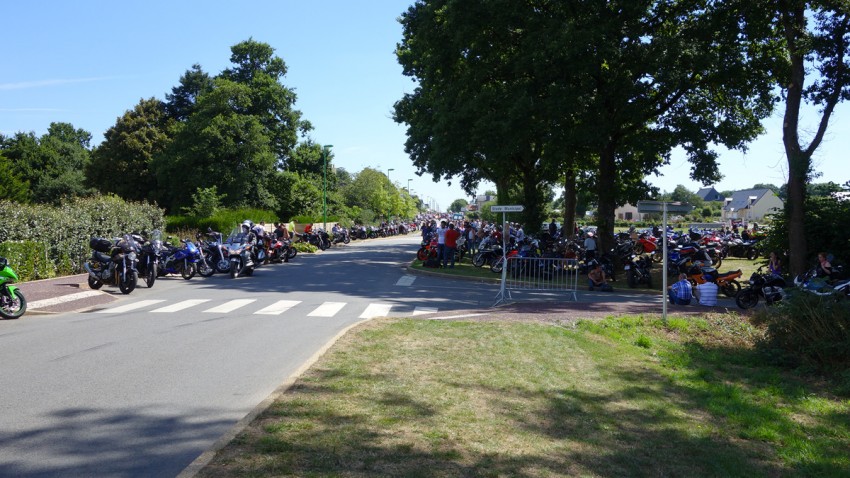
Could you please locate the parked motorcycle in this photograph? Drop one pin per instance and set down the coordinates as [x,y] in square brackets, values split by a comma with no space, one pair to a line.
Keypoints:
[242,254]
[179,260]
[215,252]
[281,251]
[13,304]
[112,264]
[638,271]
[764,285]
[736,247]
[839,285]
[726,281]
[147,265]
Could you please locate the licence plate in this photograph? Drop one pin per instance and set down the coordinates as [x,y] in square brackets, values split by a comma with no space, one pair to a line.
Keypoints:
[627,268]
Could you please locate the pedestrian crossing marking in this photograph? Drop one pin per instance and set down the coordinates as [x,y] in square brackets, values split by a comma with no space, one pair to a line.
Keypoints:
[328,309]
[424,310]
[406,281]
[231,305]
[278,307]
[376,310]
[180,306]
[129,307]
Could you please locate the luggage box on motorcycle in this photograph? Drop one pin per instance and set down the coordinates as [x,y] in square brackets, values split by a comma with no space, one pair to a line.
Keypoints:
[100,244]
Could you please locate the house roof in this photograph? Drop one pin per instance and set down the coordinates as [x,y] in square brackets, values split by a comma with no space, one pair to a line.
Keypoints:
[709,194]
[742,199]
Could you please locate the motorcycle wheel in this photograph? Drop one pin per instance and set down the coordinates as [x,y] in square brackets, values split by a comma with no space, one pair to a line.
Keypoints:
[422,254]
[638,248]
[234,270]
[753,254]
[649,281]
[222,266]
[204,268]
[631,278]
[128,285]
[731,288]
[292,252]
[346,240]
[716,261]
[151,275]
[747,299]
[95,283]
[657,256]
[249,272]
[478,259]
[13,309]
[188,271]
[497,265]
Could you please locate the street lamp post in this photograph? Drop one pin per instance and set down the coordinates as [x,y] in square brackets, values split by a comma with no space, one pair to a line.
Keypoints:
[391,183]
[325,151]
[408,186]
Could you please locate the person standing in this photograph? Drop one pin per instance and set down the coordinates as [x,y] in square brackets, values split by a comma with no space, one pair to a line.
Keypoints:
[441,241]
[590,246]
[450,250]
[681,292]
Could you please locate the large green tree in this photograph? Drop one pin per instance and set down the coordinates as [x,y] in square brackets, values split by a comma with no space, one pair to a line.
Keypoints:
[817,46]
[12,186]
[52,164]
[516,92]
[121,164]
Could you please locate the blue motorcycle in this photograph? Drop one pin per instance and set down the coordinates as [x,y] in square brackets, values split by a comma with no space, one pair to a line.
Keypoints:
[179,260]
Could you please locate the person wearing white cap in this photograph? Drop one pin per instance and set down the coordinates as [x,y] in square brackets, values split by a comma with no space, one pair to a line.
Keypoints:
[590,246]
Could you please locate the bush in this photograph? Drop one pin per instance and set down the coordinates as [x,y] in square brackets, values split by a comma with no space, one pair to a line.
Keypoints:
[808,329]
[222,221]
[65,230]
[304,247]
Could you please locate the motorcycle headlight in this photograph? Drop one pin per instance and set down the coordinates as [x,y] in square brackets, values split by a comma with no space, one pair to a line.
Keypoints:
[131,256]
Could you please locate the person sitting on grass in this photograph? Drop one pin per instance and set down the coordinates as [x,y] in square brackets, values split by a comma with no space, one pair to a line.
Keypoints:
[596,278]
[680,293]
[706,293]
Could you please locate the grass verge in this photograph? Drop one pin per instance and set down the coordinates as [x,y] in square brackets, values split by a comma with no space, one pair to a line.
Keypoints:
[618,397]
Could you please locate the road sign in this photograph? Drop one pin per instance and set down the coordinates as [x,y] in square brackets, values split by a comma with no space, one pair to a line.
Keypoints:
[511,208]
[457,216]
[645,207]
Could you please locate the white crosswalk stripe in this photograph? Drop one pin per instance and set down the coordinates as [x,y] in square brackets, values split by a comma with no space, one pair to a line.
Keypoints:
[180,306]
[376,310]
[135,305]
[278,307]
[424,310]
[231,305]
[328,309]
[406,281]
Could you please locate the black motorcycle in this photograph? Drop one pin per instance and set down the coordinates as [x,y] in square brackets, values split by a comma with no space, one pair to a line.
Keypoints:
[762,285]
[638,271]
[112,264]
[740,248]
[147,265]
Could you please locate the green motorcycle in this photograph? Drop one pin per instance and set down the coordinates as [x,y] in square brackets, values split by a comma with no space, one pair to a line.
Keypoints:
[12,301]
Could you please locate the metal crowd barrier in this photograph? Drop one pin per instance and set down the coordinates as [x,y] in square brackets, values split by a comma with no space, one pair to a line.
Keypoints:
[538,274]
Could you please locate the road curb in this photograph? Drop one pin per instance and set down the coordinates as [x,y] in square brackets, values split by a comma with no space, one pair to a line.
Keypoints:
[206,457]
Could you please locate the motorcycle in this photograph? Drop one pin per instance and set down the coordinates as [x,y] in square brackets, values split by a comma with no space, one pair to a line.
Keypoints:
[726,282]
[13,304]
[762,285]
[810,282]
[647,244]
[147,266]
[638,271]
[118,268]
[243,257]
[215,252]
[281,251]
[735,247]
[179,260]
[341,237]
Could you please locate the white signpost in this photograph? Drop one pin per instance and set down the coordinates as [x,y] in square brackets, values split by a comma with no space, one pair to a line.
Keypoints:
[500,297]
[648,207]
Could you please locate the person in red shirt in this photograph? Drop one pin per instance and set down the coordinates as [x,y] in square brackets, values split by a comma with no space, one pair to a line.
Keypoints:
[452,236]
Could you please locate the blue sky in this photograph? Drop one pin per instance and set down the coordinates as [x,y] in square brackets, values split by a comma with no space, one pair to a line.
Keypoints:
[87,62]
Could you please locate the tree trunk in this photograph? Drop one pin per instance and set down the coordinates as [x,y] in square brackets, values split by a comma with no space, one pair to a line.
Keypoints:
[570,200]
[606,189]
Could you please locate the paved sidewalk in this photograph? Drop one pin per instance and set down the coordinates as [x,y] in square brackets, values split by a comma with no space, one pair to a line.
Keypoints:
[62,294]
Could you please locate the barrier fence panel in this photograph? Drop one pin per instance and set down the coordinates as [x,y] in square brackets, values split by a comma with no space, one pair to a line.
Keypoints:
[538,274]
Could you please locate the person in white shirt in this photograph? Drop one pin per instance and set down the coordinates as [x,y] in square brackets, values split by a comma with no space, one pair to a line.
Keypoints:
[706,293]
[590,246]
[441,240]
[520,234]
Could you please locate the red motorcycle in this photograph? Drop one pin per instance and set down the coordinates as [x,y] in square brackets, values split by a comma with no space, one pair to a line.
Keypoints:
[648,244]
[428,249]
[281,251]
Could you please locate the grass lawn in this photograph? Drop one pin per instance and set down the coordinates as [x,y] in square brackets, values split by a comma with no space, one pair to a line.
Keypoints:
[622,396]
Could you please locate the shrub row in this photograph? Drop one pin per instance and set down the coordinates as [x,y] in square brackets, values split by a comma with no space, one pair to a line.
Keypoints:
[64,231]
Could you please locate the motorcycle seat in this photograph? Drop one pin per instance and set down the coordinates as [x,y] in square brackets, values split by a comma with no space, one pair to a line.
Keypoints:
[101,257]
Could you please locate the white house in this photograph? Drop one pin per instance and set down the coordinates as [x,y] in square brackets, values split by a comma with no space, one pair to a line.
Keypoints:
[751,205]
[627,212]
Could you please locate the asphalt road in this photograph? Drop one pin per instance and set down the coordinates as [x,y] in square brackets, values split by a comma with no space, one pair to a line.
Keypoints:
[140,385]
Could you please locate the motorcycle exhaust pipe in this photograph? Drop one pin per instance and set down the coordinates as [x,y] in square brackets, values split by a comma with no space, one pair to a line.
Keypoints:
[87,267]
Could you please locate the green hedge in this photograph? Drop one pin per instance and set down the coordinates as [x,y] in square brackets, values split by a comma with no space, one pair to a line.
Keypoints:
[28,259]
[64,231]
[223,221]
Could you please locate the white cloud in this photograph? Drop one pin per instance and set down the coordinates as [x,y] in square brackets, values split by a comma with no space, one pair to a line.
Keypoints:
[24,85]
